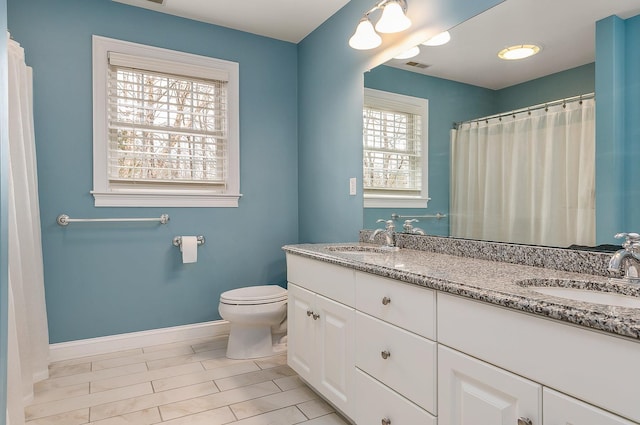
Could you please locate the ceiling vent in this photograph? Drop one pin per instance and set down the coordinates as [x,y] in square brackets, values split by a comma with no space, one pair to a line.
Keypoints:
[412,63]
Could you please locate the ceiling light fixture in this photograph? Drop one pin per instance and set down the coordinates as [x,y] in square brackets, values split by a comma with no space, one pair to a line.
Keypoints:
[407,54]
[365,37]
[519,51]
[438,39]
[393,20]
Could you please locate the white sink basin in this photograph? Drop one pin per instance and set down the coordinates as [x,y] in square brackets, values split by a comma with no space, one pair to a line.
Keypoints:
[590,296]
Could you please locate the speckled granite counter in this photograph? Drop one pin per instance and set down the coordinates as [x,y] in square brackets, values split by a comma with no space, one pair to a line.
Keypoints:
[500,283]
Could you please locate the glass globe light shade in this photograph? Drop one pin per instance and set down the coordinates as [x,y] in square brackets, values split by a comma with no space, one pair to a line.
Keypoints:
[365,37]
[414,51]
[393,19]
[438,39]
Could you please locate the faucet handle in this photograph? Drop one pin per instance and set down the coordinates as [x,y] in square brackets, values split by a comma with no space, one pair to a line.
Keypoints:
[407,226]
[630,239]
[388,224]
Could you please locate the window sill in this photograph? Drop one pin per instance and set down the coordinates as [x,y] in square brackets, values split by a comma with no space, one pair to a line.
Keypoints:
[162,199]
[394,202]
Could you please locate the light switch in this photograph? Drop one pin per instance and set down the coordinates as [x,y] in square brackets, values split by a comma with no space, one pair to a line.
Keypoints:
[352,186]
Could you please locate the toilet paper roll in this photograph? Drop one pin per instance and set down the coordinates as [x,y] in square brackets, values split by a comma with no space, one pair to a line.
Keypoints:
[189,248]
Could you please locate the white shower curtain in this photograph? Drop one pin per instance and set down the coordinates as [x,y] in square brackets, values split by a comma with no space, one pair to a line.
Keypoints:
[529,179]
[28,352]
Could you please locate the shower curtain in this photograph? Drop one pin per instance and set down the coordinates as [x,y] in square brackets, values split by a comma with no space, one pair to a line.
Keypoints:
[28,337]
[526,179]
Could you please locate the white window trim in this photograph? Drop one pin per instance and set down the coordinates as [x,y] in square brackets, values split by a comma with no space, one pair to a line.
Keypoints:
[106,196]
[414,105]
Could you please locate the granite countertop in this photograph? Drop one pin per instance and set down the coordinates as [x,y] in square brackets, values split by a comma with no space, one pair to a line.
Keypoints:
[494,282]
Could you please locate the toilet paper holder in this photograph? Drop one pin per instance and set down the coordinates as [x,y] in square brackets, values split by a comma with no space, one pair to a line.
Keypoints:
[177,241]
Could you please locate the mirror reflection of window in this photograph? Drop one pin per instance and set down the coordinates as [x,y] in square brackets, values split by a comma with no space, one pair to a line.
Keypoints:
[394,150]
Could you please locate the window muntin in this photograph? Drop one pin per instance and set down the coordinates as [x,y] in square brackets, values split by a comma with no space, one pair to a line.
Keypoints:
[392,151]
[165,128]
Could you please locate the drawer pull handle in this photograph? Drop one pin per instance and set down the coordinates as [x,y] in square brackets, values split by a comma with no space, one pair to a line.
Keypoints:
[385,355]
[316,316]
[386,421]
[386,301]
[524,421]
[309,313]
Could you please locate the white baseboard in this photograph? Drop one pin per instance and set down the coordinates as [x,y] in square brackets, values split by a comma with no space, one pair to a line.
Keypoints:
[108,344]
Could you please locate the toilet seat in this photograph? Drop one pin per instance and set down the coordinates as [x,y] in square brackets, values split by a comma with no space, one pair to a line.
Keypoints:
[254,295]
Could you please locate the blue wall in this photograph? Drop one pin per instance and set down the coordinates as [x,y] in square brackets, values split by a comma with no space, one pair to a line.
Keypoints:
[330,110]
[300,106]
[450,102]
[617,127]
[104,279]
[4,181]
[572,82]
[632,124]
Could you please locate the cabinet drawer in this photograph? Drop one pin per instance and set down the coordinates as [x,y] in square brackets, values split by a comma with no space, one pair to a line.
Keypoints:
[410,368]
[560,409]
[376,402]
[335,282]
[408,306]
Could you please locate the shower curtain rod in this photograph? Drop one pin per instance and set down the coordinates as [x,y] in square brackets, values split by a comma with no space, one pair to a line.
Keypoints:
[545,105]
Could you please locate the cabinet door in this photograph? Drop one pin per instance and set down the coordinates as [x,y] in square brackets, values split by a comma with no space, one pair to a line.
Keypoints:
[560,409]
[301,331]
[471,392]
[335,347]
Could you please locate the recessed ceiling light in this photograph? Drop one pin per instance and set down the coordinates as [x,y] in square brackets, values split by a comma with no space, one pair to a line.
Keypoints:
[519,51]
[438,39]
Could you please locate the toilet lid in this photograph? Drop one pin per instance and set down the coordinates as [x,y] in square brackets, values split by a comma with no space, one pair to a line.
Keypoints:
[254,295]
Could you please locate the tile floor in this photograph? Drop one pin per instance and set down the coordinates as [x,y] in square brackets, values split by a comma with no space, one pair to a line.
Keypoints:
[174,384]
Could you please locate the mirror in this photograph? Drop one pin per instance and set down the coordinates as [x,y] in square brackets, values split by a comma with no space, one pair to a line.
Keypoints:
[465,80]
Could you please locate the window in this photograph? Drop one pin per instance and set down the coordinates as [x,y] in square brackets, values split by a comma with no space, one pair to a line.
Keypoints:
[394,150]
[165,127]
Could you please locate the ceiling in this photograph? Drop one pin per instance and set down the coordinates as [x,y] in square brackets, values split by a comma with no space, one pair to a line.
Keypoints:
[287,20]
[564,28]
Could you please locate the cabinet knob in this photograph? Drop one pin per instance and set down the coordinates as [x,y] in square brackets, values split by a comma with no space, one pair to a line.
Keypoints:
[524,421]
[386,421]
[316,316]
[386,301]
[309,313]
[385,355]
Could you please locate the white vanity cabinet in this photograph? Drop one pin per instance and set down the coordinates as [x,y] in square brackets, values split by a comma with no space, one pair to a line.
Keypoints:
[321,329]
[385,351]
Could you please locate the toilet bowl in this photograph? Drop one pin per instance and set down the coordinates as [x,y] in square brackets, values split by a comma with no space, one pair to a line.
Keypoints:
[257,315]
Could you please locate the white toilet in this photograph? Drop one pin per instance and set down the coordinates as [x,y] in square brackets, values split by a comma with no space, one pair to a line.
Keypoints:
[258,319]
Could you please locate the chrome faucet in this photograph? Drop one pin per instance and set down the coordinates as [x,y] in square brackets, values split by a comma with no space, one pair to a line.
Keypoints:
[389,232]
[408,227]
[627,259]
